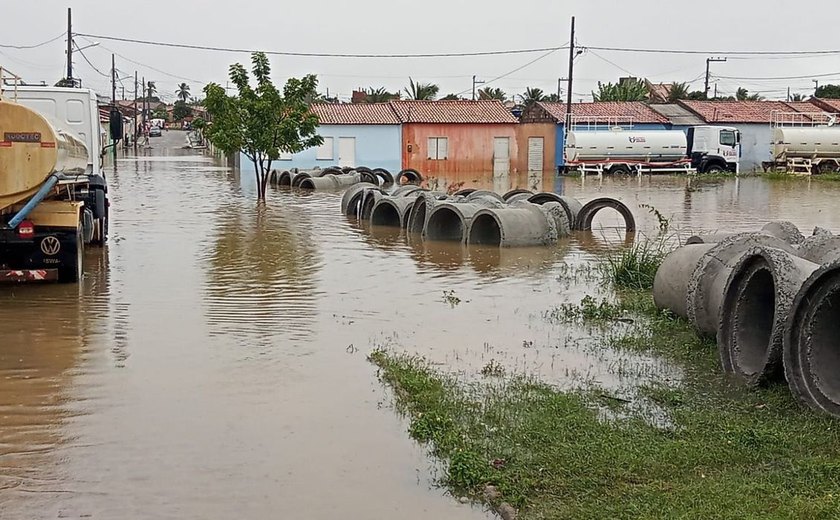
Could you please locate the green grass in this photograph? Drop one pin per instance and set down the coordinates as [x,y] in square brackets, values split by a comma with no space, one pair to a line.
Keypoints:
[727,452]
[779,176]
[635,267]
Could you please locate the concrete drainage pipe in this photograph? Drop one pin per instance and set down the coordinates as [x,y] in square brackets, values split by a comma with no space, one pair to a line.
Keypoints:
[784,230]
[820,249]
[330,181]
[707,282]
[352,198]
[670,285]
[408,176]
[757,299]
[591,208]
[369,200]
[451,221]
[522,224]
[391,211]
[571,205]
[423,205]
[812,342]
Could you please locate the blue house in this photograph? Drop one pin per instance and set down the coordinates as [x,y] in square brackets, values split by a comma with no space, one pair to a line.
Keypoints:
[591,116]
[355,134]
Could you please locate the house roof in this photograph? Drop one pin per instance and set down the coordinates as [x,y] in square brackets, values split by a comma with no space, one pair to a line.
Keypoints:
[743,111]
[677,115]
[606,111]
[464,112]
[355,114]
[659,91]
[832,105]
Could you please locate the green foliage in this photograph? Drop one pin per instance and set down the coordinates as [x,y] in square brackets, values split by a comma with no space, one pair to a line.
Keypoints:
[379,95]
[635,267]
[589,310]
[492,93]
[664,222]
[261,122]
[199,123]
[181,110]
[160,113]
[828,92]
[743,94]
[631,89]
[532,95]
[183,92]
[797,97]
[553,98]
[678,91]
[421,91]
[451,97]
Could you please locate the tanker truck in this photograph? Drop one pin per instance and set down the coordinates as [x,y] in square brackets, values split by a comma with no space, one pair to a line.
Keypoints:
[808,150]
[53,194]
[703,149]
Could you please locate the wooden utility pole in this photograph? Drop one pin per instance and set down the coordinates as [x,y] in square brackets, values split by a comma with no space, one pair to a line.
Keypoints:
[571,77]
[69,44]
[708,61]
[476,82]
[113,81]
[134,121]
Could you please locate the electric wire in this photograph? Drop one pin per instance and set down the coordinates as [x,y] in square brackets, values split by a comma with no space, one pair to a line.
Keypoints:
[23,47]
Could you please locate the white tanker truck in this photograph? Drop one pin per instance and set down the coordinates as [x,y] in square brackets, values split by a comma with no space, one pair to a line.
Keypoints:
[53,195]
[814,149]
[704,149]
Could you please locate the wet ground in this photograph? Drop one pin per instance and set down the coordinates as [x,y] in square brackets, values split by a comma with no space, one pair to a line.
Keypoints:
[212,363]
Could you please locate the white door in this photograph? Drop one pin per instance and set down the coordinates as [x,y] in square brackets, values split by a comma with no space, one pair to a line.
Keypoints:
[347,151]
[501,155]
[535,154]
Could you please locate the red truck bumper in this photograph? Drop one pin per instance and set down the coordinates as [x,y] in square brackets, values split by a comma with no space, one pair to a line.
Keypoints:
[29,275]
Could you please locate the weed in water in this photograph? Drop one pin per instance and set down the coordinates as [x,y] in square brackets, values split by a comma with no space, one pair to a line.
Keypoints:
[493,369]
[635,267]
[664,222]
[589,310]
[450,298]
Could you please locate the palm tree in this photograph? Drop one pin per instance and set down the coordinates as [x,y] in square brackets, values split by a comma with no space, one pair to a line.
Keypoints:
[532,95]
[451,97]
[632,89]
[379,95]
[553,98]
[678,91]
[492,93]
[151,89]
[427,91]
[183,92]
[797,97]
[743,94]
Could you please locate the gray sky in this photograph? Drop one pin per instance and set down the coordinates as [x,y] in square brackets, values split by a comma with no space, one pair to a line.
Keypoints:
[433,26]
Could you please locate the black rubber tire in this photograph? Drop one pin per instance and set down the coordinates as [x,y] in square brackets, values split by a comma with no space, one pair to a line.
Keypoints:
[332,170]
[368,177]
[362,169]
[71,272]
[346,169]
[827,167]
[713,169]
[411,175]
[620,169]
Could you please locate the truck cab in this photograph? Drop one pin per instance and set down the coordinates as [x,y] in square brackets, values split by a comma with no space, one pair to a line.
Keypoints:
[714,149]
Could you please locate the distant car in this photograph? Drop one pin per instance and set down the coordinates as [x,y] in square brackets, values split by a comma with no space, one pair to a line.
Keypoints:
[154,131]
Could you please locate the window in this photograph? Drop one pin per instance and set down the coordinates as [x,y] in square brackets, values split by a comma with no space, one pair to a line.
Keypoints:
[727,138]
[325,151]
[438,148]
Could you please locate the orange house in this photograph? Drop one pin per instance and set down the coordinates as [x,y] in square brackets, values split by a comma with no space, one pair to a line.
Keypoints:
[452,137]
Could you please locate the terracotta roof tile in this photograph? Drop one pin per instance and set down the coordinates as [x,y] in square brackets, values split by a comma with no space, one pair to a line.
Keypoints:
[830,104]
[355,114]
[468,112]
[607,111]
[741,111]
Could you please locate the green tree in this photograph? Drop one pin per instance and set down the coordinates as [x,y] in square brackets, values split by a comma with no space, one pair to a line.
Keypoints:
[492,93]
[262,122]
[631,89]
[828,92]
[378,95]
[183,92]
[160,113]
[553,98]
[181,110]
[421,91]
[451,97]
[797,97]
[532,95]
[678,91]
[743,94]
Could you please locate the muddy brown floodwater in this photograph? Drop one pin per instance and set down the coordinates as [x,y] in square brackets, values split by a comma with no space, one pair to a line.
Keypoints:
[212,363]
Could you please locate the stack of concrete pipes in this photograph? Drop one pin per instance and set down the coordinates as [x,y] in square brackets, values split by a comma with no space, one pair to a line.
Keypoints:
[771,299]
[335,178]
[518,218]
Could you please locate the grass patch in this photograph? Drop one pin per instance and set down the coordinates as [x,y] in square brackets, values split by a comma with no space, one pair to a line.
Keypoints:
[635,267]
[781,176]
[726,453]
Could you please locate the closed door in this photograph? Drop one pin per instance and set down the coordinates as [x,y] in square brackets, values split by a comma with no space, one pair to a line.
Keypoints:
[535,154]
[347,151]
[501,155]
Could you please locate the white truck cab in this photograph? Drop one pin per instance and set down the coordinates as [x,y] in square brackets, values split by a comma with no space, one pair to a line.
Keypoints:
[714,149]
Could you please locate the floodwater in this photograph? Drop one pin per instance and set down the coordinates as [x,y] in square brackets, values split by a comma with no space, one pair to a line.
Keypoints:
[212,363]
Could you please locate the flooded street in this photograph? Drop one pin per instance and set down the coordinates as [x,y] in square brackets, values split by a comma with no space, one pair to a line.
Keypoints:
[212,363]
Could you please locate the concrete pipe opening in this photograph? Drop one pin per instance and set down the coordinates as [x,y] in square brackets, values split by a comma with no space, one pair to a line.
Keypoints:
[385,214]
[824,348]
[445,224]
[417,216]
[307,184]
[485,231]
[285,179]
[751,314]
[368,202]
[591,208]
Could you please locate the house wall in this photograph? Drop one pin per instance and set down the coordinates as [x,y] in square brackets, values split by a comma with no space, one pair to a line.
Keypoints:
[560,139]
[548,131]
[470,147]
[377,146]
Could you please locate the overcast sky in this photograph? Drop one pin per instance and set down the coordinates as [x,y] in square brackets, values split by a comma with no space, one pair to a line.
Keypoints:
[433,26]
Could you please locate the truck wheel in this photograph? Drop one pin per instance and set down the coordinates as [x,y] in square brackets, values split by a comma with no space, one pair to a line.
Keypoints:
[72,264]
[714,169]
[827,167]
[620,169]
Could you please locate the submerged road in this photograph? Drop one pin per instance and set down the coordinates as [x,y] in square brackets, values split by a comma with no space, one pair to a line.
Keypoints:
[212,363]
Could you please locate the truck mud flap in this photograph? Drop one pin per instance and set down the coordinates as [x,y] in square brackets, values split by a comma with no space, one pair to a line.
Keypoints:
[28,275]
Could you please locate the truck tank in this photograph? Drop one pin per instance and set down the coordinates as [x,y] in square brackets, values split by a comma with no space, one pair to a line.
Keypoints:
[808,142]
[626,145]
[31,149]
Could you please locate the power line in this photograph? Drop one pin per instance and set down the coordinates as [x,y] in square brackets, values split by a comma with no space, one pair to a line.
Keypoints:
[159,71]
[319,54]
[718,53]
[506,74]
[22,47]
[767,78]
[79,50]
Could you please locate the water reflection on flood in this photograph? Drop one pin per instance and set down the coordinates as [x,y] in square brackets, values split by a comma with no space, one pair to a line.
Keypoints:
[212,364]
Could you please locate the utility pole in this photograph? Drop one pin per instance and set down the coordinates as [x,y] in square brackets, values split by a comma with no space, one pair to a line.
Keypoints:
[476,82]
[134,121]
[70,44]
[816,86]
[571,77]
[113,82]
[788,94]
[709,61]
